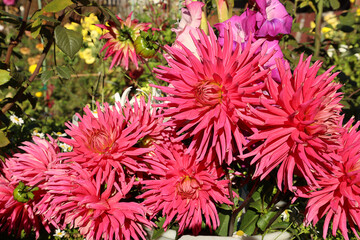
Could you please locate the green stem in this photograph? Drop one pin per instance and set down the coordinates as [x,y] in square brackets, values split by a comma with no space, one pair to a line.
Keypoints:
[245,202]
[318,28]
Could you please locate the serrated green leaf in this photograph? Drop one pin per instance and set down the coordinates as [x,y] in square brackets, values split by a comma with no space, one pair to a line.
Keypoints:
[248,222]
[4,141]
[46,75]
[57,5]
[4,76]
[334,4]
[64,72]
[68,41]
[265,219]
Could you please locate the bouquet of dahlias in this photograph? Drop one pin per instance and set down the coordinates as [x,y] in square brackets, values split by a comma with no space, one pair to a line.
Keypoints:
[228,141]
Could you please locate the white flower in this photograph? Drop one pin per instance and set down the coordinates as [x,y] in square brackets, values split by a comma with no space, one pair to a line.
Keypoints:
[38,134]
[65,147]
[17,120]
[60,134]
[285,215]
[59,233]
[239,234]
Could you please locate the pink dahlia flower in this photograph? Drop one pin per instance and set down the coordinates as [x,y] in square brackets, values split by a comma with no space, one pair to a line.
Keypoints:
[100,210]
[30,167]
[145,118]
[120,41]
[184,190]
[339,195]
[301,130]
[206,93]
[105,142]
[16,216]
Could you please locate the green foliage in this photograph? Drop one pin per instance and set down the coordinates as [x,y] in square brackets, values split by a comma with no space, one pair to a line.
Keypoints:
[68,41]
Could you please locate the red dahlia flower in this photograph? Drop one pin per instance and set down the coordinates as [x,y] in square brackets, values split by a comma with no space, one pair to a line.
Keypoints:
[206,94]
[120,41]
[105,142]
[184,190]
[99,209]
[30,167]
[301,130]
[18,214]
[339,195]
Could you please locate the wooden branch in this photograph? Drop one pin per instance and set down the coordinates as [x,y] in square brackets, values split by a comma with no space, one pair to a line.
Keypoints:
[17,40]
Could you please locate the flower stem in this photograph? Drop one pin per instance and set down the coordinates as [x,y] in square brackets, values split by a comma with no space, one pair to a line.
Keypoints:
[245,202]
[318,28]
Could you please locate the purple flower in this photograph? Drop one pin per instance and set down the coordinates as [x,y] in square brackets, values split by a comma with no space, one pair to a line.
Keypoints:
[272,18]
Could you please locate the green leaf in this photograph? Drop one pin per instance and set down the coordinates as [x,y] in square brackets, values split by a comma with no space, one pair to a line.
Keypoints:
[4,76]
[46,75]
[35,28]
[64,72]
[224,217]
[4,141]
[57,5]
[68,41]
[4,13]
[111,14]
[334,4]
[49,19]
[160,230]
[265,219]
[248,222]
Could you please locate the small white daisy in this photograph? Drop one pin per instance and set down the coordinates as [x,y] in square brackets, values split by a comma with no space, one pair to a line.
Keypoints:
[65,147]
[59,233]
[38,134]
[17,120]
[60,134]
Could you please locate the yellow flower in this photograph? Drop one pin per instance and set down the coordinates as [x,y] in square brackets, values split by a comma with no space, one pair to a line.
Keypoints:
[32,68]
[352,1]
[38,94]
[25,50]
[92,19]
[358,12]
[72,26]
[312,25]
[326,30]
[86,54]
[40,47]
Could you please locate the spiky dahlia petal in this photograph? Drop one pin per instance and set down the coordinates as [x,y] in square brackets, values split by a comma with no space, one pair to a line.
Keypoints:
[301,130]
[105,142]
[184,190]
[338,194]
[207,91]
[17,216]
[30,167]
[120,41]
[97,208]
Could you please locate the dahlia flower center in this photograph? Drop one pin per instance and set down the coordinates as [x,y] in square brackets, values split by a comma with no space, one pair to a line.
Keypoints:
[100,142]
[209,93]
[188,188]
